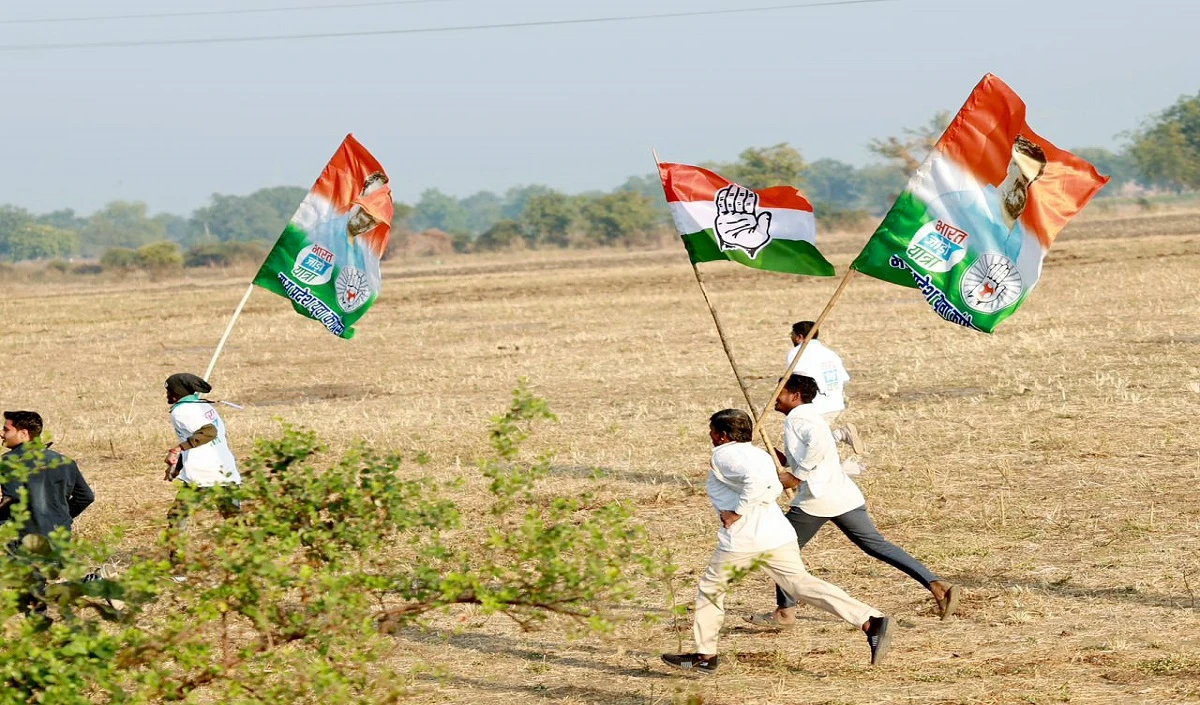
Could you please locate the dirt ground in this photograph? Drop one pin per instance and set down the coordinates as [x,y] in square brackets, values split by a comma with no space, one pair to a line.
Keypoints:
[1049,469]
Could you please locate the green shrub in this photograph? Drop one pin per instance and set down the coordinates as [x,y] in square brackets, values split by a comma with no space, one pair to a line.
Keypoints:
[224,254]
[120,258]
[159,256]
[286,601]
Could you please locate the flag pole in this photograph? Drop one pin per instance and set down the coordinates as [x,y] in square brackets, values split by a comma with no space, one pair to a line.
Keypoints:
[729,354]
[804,343]
[228,329]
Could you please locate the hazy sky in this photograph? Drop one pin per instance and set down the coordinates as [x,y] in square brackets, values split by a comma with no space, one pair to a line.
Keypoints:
[573,106]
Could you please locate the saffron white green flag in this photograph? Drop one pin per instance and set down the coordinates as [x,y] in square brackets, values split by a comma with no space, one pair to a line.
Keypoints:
[326,262]
[772,229]
[975,221]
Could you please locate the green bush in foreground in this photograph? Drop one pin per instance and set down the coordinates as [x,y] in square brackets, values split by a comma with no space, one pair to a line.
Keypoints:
[292,600]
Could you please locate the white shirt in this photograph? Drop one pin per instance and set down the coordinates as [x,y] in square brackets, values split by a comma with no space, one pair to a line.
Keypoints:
[743,480]
[212,463]
[823,365]
[813,458]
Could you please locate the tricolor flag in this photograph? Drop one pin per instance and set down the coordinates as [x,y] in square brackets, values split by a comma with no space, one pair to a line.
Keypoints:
[771,229]
[972,226]
[327,259]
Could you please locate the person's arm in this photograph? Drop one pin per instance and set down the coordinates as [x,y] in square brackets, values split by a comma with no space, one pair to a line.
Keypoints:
[10,492]
[799,460]
[81,496]
[755,487]
[733,476]
[205,434]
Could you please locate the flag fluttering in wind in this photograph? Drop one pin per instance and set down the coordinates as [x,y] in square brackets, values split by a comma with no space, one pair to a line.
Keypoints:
[326,262]
[772,229]
[975,221]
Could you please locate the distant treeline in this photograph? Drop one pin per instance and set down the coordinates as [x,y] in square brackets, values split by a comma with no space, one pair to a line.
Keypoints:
[1164,154]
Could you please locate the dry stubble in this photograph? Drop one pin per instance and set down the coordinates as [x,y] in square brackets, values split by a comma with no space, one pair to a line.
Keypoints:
[1050,468]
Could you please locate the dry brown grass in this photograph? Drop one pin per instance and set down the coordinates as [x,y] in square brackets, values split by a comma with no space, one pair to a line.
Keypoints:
[1050,469]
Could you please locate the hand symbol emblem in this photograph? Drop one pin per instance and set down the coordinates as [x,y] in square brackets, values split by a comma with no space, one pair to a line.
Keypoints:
[739,224]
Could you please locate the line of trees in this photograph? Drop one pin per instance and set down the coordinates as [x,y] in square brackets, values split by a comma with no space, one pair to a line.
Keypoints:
[1163,154]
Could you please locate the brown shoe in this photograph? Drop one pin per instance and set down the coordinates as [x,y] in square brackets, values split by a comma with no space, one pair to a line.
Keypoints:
[850,434]
[949,602]
[769,620]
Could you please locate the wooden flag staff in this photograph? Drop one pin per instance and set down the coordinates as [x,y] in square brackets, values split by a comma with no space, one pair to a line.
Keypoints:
[228,329]
[803,344]
[729,354]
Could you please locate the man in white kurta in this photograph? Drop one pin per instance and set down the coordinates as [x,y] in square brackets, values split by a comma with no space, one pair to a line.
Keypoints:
[825,366]
[826,494]
[743,487]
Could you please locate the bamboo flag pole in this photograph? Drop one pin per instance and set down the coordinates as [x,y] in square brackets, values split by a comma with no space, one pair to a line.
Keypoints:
[804,344]
[228,329]
[729,354]
[737,373]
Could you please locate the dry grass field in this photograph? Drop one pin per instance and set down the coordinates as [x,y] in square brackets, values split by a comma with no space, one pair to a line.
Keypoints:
[1050,469]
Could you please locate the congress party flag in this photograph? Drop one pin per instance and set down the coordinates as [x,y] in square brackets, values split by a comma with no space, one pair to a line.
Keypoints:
[326,262]
[975,221]
[771,229]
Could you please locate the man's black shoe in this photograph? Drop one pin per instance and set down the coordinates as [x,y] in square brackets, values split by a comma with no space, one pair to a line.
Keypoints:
[879,637]
[692,662]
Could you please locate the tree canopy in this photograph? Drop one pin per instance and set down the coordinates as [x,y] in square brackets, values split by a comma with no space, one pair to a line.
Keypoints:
[1163,153]
[1166,150]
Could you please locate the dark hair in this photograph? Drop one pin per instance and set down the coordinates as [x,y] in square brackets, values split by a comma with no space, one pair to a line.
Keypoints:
[25,421]
[805,386]
[734,423]
[801,328]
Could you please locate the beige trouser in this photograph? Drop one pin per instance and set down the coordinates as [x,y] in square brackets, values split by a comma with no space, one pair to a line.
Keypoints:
[784,566]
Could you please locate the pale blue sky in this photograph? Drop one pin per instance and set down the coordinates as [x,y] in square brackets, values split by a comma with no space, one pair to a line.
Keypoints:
[576,107]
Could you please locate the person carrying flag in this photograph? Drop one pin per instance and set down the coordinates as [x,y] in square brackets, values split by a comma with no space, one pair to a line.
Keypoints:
[826,493]
[202,458]
[743,486]
[825,366]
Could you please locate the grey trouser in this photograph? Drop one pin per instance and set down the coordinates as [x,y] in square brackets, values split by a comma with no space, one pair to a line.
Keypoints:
[858,527]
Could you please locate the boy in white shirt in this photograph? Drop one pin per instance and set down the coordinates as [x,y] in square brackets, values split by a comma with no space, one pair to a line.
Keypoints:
[825,494]
[825,366]
[743,486]
[202,457]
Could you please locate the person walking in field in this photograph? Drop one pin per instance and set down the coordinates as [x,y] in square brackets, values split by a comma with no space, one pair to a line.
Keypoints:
[202,458]
[825,366]
[825,493]
[743,487]
[57,492]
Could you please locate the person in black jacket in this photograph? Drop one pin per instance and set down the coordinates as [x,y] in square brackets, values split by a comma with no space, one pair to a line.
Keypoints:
[56,490]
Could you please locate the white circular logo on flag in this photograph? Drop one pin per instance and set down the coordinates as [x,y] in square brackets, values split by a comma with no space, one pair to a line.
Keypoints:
[991,283]
[352,288]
